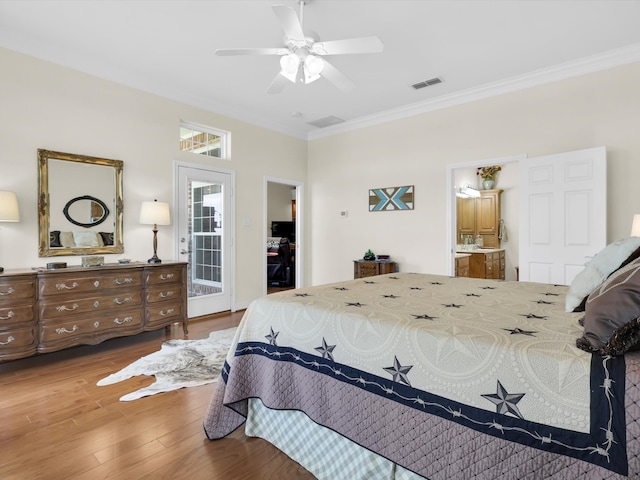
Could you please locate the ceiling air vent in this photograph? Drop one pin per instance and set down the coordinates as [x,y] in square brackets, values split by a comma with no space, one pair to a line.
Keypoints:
[427,83]
[326,121]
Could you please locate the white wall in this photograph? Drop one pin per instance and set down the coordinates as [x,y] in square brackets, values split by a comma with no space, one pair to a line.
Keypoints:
[592,110]
[55,108]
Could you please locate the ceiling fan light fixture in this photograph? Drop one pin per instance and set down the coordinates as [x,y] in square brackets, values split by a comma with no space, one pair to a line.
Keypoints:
[289,64]
[313,65]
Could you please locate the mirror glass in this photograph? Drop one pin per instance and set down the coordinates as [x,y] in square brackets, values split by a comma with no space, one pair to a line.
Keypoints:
[86,211]
[79,204]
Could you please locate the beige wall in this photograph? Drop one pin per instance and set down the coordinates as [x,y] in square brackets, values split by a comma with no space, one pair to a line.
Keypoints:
[52,107]
[597,109]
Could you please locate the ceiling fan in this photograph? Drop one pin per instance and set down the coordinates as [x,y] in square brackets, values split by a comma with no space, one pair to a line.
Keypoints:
[302,58]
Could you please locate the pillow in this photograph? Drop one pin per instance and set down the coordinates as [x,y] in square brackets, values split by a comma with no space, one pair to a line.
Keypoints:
[54,238]
[612,314]
[273,243]
[107,238]
[66,239]
[85,239]
[607,261]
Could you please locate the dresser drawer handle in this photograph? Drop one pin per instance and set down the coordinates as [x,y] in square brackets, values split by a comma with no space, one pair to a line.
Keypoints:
[117,321]
[62,330]
[63,286]
[117,301]
[168,276]
[64,308]
[165,295]
[9,340]
[168,312]
[117,281]
[8,292]
[10,314]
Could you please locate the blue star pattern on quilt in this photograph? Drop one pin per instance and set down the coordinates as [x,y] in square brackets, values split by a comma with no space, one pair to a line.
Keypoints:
[326,350]
[390,296]
[272,337]
[355,304]
[398,372]
[504,401]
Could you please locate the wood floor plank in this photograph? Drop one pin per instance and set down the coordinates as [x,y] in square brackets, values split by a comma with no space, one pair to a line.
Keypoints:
[57,423]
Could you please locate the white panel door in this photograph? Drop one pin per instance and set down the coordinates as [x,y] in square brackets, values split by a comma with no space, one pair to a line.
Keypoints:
[563,214]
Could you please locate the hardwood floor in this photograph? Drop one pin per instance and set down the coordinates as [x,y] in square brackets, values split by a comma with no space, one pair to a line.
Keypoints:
[56,423]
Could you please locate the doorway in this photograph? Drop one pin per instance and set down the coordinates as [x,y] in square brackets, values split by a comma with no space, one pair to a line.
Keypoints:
[283,218]
[205,224]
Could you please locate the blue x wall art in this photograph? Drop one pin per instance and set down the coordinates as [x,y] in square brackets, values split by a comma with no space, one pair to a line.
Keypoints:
[391,198]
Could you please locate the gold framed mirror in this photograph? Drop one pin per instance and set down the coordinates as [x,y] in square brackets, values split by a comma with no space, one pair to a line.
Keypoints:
[70,188]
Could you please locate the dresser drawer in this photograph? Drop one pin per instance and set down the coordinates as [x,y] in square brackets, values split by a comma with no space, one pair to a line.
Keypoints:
[157,275]
[17,315]
[169,292]
[89,282]
[368,269]
[89,327]
[17,342]
[21,291]
[55,307]
[164,313]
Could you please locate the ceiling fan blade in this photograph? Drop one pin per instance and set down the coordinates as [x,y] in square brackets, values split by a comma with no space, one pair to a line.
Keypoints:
[348,46]
[290,23]
[251,51]
[277,84]
[336,77]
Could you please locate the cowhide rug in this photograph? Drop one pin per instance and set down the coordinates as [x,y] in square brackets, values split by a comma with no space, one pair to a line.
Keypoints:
[178,363]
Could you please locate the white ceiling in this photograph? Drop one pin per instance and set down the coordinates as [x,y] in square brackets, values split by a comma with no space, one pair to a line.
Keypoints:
[476,47]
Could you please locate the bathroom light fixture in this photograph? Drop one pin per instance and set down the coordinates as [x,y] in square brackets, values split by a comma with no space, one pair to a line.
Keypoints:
[467,191]
[155,213]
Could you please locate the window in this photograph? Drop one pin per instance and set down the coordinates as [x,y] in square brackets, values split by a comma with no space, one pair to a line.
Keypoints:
[207,234]
[204,140]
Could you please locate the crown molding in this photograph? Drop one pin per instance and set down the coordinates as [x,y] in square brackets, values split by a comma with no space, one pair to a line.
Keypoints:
[590,64]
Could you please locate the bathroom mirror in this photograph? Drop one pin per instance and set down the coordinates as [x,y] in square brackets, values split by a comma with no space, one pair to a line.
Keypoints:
[79,204]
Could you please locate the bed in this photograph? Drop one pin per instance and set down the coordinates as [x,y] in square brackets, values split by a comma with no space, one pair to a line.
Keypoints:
[408,376]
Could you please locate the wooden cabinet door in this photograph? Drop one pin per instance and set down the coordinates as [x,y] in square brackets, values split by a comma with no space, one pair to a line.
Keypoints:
[466,217]
[488,217]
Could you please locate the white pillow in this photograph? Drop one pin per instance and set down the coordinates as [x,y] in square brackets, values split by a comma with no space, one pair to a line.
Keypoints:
[66,239]
[598,269]
[85,239]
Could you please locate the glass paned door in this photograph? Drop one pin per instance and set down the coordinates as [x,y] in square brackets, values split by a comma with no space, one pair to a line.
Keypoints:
[204,227]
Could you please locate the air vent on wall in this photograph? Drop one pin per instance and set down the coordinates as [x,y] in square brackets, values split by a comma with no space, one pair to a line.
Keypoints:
[426,83]
[326,121]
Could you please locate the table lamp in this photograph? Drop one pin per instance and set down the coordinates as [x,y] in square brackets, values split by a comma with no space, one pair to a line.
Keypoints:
[8,209]
[155,213]
[635,226]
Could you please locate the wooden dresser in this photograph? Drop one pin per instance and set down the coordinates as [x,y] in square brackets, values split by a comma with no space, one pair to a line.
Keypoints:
[50,310]
[369,268]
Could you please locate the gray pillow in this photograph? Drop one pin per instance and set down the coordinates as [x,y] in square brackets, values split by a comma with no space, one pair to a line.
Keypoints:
[612,313]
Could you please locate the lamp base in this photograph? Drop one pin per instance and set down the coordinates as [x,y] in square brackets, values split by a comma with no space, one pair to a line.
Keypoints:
[154,259]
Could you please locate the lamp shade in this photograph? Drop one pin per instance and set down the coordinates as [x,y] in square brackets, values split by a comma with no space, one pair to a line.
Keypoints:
[9,207]
[155,213]
[635,226]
